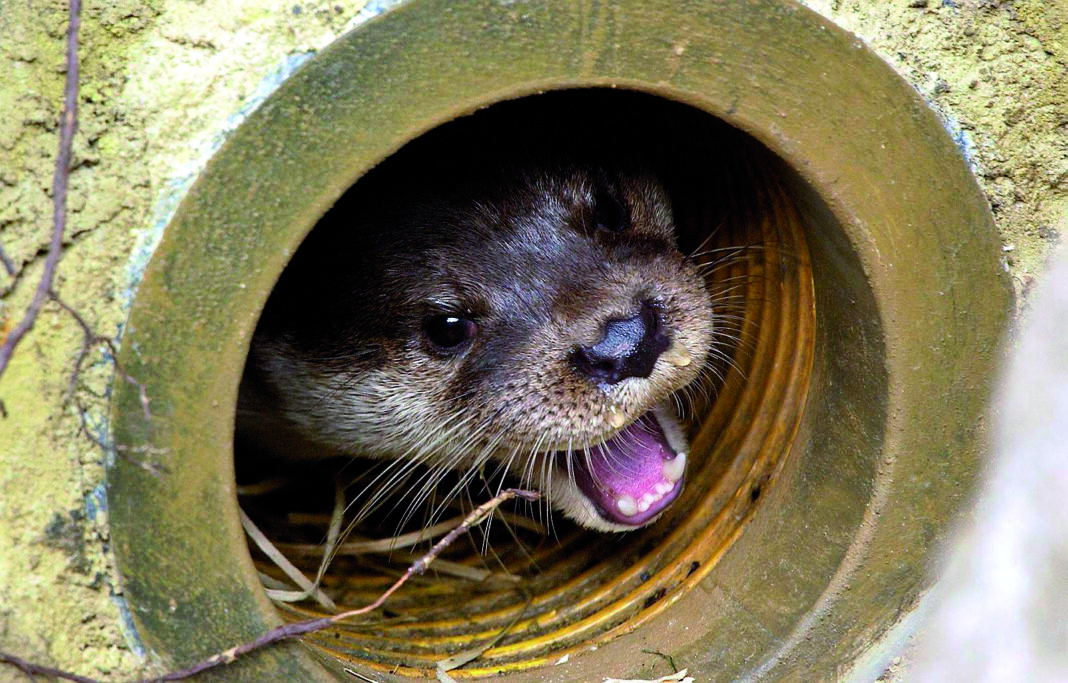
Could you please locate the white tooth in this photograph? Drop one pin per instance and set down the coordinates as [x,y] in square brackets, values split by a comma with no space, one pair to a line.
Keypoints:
[672,430]
[643,504]
[678,356]
[617,420]
[627,505]
[663,488]
[675,468]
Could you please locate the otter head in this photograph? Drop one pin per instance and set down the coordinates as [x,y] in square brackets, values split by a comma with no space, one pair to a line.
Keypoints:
[531,320]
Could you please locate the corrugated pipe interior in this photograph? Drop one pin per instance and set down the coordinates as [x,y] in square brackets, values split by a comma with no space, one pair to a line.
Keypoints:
[854,269]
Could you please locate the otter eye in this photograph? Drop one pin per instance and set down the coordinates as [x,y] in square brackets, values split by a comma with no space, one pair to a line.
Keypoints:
[608,213]
[449,331]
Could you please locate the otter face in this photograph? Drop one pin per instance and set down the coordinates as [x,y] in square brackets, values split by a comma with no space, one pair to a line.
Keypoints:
[535,321]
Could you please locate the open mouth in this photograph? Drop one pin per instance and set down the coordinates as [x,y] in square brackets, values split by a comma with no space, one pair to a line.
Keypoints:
[634,476]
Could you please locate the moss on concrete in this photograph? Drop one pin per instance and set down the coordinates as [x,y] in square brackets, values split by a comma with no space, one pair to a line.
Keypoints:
[997,72]
[162,83]
[55,577]
[160,80]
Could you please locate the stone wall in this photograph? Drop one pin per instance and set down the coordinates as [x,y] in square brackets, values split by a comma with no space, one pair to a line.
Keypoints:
[164,80]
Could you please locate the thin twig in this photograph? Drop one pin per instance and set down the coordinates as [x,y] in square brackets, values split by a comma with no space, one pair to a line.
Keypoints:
[419,566]
[34,670]
[380,545]
[300,628]
[60,179]
[91,338]
[9,265]
[280,560]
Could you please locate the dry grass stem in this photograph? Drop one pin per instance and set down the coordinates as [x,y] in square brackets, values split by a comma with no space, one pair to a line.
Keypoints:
[307,587]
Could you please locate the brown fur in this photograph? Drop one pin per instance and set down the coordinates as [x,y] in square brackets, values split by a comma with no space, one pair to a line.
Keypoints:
[341,365]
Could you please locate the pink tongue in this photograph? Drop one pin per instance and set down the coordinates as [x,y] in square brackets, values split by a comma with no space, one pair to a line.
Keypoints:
[630,464]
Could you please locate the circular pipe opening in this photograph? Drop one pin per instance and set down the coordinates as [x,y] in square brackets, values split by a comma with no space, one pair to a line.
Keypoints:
[868,460]
[539,588]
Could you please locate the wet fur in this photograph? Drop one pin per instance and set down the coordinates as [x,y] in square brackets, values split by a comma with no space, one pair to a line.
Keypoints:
[339,364]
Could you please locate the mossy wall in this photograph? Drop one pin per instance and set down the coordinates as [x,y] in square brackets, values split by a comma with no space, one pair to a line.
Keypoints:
[164,81]
[997,73]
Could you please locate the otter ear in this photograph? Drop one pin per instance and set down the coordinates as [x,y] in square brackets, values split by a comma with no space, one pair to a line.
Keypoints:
[651,206]
[609,212]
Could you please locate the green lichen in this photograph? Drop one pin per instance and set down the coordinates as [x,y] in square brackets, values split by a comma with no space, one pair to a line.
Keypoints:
[54,572]
[161,80]
[998,74]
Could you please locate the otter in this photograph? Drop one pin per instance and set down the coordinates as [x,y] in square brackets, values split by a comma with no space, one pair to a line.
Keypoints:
[504,303]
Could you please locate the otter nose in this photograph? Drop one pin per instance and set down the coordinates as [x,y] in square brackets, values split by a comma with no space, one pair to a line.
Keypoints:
[629,348]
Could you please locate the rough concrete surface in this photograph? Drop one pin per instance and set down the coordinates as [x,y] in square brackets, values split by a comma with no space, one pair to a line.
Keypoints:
[997,73]
[164,80]
[161,83]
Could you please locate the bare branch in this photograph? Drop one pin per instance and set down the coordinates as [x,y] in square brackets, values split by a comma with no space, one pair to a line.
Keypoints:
[419,566]
[90,338]
[300,628]
[8,264]
[45,291]
[68,124]
[34,670]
